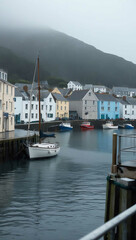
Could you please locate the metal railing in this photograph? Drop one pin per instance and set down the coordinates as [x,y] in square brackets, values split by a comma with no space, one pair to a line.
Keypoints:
[110,226]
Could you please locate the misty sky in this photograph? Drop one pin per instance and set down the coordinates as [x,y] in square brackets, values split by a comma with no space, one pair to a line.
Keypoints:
[109,25]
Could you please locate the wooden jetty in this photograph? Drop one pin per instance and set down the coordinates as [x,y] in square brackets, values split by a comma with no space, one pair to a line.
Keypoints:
[121,188]
[15,148]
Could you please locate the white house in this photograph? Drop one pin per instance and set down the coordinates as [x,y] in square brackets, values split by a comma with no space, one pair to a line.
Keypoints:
[128,108]
[23,113]
[99,89]
[49,106]
[74,85]
[6,103]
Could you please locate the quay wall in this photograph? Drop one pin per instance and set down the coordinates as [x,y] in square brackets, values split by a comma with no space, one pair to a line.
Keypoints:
[53,125]
[15,148]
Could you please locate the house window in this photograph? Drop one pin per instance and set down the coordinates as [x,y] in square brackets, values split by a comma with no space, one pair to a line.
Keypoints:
[6,105]
[42,106]
[7,89]
[132,106]
[85,102]
[125,106]
[115,108]
[102,102]
[125,111]
[89,93]
[0,104]
[108,103]
[36,106]
[32,106]
[36,115]
[85,108]
[32,115]
[57,107]
[46,107]
[57,114]
[132,112]
[50,99]
[50,115]
[102,108]
[50,108]
[26,106]
[93,102]
[61,107]
[26,115]
[108,108]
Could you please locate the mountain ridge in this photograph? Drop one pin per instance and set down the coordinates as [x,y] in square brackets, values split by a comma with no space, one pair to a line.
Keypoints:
[68,58]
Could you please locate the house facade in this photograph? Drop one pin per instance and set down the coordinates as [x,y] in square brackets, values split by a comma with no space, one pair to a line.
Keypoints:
[74,85]
[108,106]
[62,106]
[84,102]
[128,108]
[7,91]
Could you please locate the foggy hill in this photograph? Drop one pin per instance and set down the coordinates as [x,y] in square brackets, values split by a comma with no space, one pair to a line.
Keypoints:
[68,58]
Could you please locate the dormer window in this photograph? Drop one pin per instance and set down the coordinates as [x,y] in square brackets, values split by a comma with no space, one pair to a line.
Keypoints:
[89,93]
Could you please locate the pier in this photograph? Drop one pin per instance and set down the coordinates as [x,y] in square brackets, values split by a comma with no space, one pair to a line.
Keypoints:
[15,148]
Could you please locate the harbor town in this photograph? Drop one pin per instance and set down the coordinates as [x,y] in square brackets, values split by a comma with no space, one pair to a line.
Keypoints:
[87,109]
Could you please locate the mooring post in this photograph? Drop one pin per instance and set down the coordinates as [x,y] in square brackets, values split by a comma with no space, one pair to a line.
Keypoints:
[114,154]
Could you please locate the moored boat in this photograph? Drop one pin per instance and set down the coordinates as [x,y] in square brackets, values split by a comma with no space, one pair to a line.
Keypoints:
[65,127]
[129,126]
[86,125]
[42,149]
[109,125]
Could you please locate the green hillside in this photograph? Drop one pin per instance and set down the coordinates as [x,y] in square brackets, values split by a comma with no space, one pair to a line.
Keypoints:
[67,58]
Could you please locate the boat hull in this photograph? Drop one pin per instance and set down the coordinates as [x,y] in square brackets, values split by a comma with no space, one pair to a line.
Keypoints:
[46,151]
[64,129]
[110,127]
[128,126]
[86,127]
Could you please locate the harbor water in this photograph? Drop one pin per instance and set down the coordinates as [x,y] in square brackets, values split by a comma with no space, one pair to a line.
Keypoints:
[60,198]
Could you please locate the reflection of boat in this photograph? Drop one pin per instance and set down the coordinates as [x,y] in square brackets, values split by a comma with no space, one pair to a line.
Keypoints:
[65,127]
[86,125]
[129,126]
[45,149]
[109,125]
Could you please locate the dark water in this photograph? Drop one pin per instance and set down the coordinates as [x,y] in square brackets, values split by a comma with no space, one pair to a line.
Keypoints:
[61,198]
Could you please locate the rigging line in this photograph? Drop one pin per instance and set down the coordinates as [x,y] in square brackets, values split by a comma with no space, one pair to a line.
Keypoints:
[31,91]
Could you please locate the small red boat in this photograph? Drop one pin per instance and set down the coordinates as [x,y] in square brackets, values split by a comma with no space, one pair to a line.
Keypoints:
[86,125]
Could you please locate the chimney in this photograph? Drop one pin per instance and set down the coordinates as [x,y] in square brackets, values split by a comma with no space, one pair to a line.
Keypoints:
[124,98]
[25,88]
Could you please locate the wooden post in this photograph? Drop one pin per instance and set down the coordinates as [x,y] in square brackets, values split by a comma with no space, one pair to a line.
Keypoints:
[114,154]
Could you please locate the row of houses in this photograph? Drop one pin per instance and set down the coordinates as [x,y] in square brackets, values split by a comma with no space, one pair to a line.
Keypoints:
[81,104]
[16,105]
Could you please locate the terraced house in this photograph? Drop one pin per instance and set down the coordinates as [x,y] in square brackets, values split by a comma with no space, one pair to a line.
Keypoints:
[108,106]
[62,106]
[6,103]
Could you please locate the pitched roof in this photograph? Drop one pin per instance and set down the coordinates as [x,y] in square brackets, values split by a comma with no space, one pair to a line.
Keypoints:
[77,95]
[19,93]
[59,97]
[76,83]
[131,100]
[106,97]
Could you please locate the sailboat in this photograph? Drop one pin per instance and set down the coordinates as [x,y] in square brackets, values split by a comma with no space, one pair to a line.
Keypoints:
[42,149]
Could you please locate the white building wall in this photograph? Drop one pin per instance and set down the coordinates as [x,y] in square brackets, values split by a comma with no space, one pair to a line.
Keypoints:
[49,109]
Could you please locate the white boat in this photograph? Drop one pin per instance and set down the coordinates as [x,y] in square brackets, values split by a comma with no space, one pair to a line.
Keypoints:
[65,127]
[42,149]
[109,125]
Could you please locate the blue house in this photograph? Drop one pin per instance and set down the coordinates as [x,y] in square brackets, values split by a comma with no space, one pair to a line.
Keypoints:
[108,106]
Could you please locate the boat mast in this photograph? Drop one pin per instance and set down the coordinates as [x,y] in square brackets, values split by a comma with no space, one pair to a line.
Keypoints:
[39,100]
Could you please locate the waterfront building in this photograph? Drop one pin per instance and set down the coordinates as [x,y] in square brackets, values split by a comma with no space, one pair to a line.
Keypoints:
[62,106]
[108,106]
[6,103]
[84,102]
[128,108]
[74,85]
[22,106]
[123,91]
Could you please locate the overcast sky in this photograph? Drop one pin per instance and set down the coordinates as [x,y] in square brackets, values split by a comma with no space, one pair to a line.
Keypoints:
[109,25]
